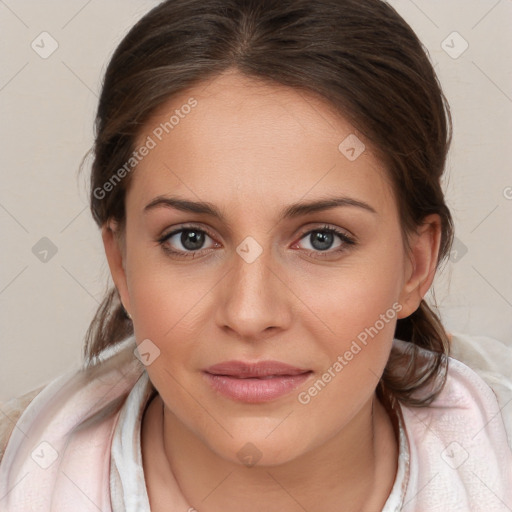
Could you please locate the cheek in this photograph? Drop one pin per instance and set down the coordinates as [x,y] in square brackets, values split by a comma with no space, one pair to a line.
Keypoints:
[168,311]
[358,308]
[347,300]
[166,298]
[362,328]
[361,318]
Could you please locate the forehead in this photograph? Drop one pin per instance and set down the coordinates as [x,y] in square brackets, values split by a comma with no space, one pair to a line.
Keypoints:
[236,138]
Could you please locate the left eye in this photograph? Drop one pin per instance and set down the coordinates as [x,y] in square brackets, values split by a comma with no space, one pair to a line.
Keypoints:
[323,239]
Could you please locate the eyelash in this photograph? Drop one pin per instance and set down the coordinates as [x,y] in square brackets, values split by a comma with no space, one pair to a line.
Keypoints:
[346,241]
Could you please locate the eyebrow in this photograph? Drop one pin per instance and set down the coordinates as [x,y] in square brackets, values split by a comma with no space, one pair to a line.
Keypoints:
[291,211]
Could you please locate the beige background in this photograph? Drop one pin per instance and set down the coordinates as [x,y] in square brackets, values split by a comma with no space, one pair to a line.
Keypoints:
[47,109]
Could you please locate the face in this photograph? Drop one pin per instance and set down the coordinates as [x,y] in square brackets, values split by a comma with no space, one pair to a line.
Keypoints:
[253,275]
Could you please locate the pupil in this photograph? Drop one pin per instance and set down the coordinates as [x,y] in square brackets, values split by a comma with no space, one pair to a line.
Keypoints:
[322,240]
[192,240]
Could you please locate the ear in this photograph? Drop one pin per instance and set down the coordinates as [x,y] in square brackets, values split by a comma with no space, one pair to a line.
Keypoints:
[422,263]
[115,251]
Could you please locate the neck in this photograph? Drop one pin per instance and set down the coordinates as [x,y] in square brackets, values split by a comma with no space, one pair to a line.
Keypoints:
[352,471]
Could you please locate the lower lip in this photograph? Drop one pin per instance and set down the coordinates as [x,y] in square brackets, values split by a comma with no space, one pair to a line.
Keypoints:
[255,390]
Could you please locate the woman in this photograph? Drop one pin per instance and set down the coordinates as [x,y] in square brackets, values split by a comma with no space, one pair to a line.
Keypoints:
[266,178]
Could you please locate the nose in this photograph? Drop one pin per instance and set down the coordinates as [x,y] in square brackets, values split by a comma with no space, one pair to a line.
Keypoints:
[254,301]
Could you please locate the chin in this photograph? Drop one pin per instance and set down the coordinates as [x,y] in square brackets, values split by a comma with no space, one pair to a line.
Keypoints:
[258,449]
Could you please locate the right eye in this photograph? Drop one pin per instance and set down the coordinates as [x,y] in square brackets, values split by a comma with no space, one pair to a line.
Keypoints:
[191,239]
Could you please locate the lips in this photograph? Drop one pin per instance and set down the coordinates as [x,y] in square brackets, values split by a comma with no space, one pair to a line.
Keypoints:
[261,370]
[255,382]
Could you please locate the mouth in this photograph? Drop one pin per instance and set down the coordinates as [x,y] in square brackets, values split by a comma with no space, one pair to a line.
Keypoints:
[255,382]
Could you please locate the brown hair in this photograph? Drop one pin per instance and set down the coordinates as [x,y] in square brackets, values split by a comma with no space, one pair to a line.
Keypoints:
[359,56]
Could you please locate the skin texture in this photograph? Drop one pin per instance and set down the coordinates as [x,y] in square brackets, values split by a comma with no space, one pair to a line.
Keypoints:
[251,149]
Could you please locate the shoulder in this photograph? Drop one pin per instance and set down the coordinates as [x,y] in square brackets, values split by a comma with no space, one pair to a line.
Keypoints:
[460,444]
[116,368]
[11,411]
[491,360]
[480,370]
[75,415]
[483,354]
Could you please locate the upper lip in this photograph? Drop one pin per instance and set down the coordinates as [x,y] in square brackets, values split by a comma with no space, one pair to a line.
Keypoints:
[247,370]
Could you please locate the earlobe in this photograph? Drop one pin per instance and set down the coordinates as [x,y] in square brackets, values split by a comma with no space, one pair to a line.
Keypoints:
[115,253]
[423,257]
